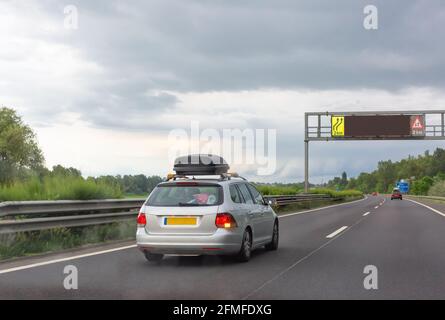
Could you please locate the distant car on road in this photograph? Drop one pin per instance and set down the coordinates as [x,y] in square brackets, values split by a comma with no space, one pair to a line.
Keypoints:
[374,193]
[396,194]
[192,214]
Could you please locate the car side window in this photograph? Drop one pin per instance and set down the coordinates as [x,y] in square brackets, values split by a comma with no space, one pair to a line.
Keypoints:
[258,198]
[245,193]
[234,194]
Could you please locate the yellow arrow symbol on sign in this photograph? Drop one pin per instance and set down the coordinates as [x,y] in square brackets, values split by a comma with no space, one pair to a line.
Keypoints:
[338,126]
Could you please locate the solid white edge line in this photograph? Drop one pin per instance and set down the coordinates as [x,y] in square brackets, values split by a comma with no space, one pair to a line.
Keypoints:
[428,207]
[65,259]
[333,234]
[366,213]
[319,209]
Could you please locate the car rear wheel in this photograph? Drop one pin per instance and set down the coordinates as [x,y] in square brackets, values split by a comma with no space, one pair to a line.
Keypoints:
[246,247]
[273,245]
[153,257]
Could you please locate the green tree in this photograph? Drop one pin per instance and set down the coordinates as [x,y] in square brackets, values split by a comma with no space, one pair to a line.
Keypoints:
[438,162]
[367,182]
[61,171]
[437,189]
[386,175]
[416,169]
[422,186]
[344,179]
[18,147]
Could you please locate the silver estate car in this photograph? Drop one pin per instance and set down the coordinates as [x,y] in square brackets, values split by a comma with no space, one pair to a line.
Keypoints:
[224,216]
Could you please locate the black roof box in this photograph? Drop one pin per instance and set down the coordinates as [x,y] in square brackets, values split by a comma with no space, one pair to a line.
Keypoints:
[200,164]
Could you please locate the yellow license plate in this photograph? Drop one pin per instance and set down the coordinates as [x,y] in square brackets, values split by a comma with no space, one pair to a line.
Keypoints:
[180,221]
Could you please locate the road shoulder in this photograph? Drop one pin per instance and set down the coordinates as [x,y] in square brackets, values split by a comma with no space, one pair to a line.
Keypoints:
[68,254]
[433,205]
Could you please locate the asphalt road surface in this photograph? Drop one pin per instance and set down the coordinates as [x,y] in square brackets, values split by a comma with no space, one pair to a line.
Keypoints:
[322,255]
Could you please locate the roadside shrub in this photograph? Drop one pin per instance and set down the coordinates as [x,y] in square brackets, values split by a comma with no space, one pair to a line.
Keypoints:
[421,187]
[437,189]
[59,188]
[271,190]
[337,194]
[57,239]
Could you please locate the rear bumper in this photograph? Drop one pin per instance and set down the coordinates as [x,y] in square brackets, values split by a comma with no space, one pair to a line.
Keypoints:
[221,242]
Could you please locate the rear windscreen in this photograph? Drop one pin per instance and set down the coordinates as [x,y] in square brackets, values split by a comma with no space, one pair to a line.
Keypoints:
[185,195]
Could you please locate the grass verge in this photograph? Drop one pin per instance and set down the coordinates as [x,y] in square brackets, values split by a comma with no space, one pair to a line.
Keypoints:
[58,239]
[59,188]
[426,200]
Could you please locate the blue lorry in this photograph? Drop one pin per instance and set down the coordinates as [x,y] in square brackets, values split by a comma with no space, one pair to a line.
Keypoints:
[403,186]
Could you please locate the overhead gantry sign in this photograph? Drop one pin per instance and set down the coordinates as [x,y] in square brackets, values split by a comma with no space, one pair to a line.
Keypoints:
[372,125]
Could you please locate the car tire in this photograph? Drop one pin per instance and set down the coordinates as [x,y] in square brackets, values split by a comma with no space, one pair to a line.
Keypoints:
[246,247]
[153,257]
[273,245]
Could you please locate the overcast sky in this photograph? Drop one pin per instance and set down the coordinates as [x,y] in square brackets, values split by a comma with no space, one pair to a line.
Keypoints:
[105,96]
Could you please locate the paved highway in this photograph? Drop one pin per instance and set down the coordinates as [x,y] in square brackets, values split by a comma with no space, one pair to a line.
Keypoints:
[322,255]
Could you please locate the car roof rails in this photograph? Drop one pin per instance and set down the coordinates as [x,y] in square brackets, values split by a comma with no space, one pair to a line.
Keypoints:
[222,176]
[230,175]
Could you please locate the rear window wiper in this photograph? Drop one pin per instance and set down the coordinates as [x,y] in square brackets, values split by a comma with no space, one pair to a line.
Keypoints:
[186,204]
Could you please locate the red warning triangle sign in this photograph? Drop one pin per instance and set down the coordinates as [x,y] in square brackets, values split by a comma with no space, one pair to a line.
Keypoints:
[417,124]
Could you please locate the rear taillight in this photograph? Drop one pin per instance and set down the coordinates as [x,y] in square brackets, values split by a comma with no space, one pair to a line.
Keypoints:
[142,220]
[225,220]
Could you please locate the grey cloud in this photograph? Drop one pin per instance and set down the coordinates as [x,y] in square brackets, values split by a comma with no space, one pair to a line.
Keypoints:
[131,110]
[203,46]
[222,45]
